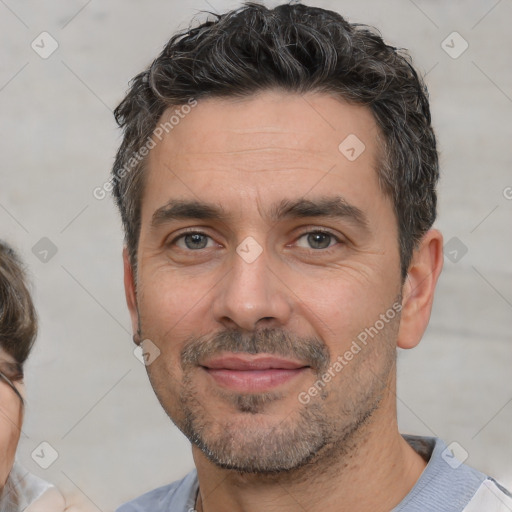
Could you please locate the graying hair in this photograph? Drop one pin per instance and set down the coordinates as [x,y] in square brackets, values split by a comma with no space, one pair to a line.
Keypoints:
[299,49]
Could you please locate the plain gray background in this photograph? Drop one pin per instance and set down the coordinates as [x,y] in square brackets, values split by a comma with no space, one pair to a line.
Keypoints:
[88,395]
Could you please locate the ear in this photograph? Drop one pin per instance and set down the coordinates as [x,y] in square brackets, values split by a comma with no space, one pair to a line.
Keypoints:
[419,287]
[129,290]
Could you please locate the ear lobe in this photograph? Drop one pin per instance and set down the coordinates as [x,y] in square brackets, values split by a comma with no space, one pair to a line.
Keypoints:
[130,294]
[419,287]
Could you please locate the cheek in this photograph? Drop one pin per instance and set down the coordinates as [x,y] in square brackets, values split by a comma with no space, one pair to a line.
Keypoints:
[166,378]
[343,306]
[172,310]
[10,429]
[169,297]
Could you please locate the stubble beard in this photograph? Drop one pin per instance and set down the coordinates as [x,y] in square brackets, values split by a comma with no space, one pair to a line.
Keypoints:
[252,443]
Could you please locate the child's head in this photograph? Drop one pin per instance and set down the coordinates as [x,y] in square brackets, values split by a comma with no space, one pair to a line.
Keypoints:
[18,330]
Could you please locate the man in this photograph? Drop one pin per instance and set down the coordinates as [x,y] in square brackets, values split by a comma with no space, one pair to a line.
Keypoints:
[276,183]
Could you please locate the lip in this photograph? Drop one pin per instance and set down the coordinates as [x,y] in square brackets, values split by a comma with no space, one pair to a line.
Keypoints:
[252,362]
[250,373]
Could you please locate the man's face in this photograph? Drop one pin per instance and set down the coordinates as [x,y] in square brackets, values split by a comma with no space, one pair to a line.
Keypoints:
[251,308]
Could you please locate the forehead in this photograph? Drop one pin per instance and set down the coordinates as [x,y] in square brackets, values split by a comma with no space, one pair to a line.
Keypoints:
[264,147]
[311,123]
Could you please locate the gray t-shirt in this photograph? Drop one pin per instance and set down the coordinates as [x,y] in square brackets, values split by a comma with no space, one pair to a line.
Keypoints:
[446,485]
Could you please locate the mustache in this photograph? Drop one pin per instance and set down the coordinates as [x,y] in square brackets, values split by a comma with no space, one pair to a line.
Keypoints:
[310,350]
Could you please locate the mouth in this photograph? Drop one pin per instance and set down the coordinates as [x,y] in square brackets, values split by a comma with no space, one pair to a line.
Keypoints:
[252,373]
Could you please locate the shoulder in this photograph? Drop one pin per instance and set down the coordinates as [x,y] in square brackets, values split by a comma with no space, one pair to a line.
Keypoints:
[179,496]
[447,484]
[33,494]
[490,496]
[50,501]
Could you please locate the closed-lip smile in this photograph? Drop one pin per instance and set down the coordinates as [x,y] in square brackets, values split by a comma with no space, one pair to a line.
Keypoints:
[252,372]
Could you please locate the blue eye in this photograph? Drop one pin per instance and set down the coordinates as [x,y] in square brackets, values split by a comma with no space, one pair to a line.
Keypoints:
[319,240]
[314,240]
[193,240]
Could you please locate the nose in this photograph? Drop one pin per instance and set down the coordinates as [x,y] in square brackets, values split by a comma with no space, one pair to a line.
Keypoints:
[251,295]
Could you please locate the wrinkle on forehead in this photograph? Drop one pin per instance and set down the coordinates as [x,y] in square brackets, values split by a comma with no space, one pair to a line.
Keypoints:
[270,136]
[273,119]
[250,160]
[292,144]
[280,135]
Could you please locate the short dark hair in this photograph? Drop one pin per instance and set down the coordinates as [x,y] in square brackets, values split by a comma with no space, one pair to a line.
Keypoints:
[299,49]
[18,318]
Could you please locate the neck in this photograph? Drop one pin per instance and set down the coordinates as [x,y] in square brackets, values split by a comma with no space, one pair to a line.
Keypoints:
[374,474]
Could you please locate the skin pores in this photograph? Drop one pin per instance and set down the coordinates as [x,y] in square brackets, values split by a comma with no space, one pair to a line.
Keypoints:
[246,156]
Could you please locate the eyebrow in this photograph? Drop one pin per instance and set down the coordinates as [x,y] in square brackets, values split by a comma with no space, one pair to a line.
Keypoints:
[329,207]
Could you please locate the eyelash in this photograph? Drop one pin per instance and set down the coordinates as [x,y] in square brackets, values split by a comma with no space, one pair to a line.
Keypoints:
[313,231]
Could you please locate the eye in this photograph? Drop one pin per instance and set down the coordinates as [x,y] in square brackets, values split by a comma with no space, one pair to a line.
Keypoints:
[318,240]
[13,371]
[192,240]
